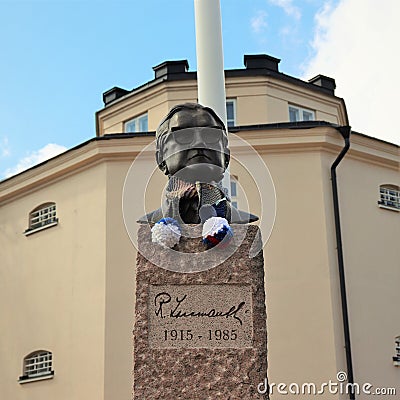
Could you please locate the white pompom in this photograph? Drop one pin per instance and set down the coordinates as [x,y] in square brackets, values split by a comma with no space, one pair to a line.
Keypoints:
[166,232]
[216,230]
[213,225]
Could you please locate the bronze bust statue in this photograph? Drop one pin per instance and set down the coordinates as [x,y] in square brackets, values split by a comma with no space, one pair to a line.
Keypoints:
[192,150]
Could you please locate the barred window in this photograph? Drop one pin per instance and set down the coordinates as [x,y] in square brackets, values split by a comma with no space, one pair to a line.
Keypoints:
[396,358]
[389,197]
[41,217]
[37,365]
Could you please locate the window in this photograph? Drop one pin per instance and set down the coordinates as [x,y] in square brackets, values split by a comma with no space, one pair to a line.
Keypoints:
[396,358]
[37,365]
[234,191]
[389,197]
[138,124]
[231,112]
[42,217]
[300,114]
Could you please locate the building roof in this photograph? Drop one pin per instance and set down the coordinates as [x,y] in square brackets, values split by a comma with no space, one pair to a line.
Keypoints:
[255,65]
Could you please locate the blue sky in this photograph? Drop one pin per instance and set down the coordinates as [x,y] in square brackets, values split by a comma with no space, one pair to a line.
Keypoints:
[58,57]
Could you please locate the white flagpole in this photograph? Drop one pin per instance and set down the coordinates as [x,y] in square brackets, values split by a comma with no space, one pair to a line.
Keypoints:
[210,62]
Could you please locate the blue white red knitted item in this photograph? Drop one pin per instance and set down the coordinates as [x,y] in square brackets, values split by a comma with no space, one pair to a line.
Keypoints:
[215,230]
[166,232]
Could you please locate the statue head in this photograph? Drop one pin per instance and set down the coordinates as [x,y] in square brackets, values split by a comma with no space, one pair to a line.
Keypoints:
[192,144]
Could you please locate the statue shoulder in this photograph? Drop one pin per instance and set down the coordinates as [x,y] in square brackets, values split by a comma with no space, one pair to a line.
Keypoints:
[241,217]
[151,218]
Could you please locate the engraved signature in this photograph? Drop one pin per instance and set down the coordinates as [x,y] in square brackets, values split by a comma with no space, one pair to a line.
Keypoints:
[181,309]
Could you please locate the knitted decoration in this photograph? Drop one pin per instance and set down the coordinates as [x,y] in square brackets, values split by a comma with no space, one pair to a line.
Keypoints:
[216,230]
[166,232]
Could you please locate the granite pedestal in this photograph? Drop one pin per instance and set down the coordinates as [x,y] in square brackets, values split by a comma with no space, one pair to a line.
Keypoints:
[200,335]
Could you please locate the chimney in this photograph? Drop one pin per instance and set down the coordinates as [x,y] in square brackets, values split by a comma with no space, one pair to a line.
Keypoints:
[113,94]
[261,61]
[324,82]
[170,68]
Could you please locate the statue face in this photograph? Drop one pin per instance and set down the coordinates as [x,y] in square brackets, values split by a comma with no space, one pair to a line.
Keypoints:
[194,149]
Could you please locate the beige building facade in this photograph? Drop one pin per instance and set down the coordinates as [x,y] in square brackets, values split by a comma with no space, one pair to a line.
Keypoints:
[68,265]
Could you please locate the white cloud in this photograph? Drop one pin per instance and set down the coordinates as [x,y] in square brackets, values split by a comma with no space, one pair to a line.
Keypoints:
[288,8]
[356,42]
[259,23]
[4,147]
[35,157]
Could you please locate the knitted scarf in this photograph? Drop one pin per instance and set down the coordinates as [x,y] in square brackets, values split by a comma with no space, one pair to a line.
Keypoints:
[184,199]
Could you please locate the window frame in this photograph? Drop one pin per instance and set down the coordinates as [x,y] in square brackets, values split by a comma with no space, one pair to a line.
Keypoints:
[233,102]
[42,217]
[137,121]
[234,198]
[301,111]
[33,363]
[389,197]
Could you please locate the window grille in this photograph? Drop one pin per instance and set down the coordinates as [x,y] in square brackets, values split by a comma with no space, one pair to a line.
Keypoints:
[396,358]
[37,365]
[42,216]
[389,196]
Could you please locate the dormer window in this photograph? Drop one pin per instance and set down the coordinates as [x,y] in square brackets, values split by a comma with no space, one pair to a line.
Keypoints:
[43,216]
[389,197]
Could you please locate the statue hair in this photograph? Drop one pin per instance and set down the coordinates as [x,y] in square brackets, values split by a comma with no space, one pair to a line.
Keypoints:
[164,124]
